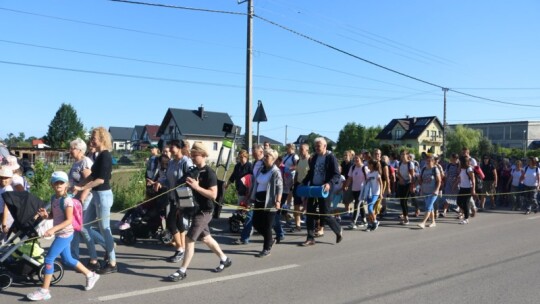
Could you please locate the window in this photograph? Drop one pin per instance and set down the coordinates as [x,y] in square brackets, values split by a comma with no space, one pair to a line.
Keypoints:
[424,147]
[215,146]
[398,134]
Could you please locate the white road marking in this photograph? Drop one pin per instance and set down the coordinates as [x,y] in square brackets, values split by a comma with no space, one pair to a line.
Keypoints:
[533,218]
[185,285]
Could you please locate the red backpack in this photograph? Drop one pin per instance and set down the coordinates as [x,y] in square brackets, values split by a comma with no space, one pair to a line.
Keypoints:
[77,222]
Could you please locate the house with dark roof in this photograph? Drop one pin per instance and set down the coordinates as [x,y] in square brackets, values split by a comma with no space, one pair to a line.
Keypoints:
[422,133]
[302,139]
[121,138]
[149,136]
[195,125]
[240,140]
[136,137]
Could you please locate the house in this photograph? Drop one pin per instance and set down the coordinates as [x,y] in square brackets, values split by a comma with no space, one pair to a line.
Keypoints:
[121,138]
[149,136]
[302,139]
[274,143]
[510,134]
[195,125]
[422,133]
[136,137]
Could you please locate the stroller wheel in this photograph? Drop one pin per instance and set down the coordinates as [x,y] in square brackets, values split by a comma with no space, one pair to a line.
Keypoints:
[234,225]
[5,279]
[165,237]
[127,237]
[57,275]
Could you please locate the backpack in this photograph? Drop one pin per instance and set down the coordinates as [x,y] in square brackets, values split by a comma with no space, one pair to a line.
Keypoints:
[433,171]
[77,222]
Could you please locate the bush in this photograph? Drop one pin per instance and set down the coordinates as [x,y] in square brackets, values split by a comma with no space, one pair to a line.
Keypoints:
[229,198]
[40,182]
[130,194]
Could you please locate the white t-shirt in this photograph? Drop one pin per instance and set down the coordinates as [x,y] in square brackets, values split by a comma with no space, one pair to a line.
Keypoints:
[262,181]
[404,171]
[531,176]
[2,190]
[516,176]
[372,181]
[289,161]
[359,177]
[464,178]
[19,180]
[338,184]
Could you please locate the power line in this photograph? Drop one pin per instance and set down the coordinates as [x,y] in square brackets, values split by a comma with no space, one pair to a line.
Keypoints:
[181,7]
[186,66]
[384,67]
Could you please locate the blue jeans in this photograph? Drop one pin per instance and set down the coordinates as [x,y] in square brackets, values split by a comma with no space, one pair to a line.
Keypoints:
[430,201]
[278,227]
[59,247]
[248,227]
[89,236]
[100,209]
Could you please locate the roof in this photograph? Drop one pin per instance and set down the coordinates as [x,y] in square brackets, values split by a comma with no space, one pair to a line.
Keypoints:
[121,133]
[413,126]
[196,122]
[304,138]
[138,130]
[262,139]
[152,132]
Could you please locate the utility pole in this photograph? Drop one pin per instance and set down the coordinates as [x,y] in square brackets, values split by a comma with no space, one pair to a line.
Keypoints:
[249,75]
[286,134]
[444,125]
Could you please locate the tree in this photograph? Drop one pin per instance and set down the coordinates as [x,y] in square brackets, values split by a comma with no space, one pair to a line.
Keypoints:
[485,147]
[461,137]
[64,127]
[356,137]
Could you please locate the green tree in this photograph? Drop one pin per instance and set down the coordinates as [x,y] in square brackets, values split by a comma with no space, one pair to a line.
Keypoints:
[461,137]
[485,147]
[356,137]
[64,127]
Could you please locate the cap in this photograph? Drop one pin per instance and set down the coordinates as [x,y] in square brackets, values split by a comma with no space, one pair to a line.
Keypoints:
[152,146]
[199,147]
[59,176]
[11,163]
[5,172]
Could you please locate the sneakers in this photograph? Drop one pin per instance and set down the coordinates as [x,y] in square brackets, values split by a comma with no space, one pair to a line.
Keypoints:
[177,276]
[295,229]
[223,265]
[464,222]
[307,243]
[240,242]
[39,295]
[263,254]
[353,227]
[93,266]
[176,257]
[91,281]
[108,269]
[339,237]
[432,225]
[374,226]
[421,225]
[124,226]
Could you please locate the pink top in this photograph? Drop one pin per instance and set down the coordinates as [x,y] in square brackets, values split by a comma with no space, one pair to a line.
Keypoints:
[59,216]
[358,175]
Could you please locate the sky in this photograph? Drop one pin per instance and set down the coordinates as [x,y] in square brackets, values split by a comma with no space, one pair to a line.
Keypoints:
[317,65]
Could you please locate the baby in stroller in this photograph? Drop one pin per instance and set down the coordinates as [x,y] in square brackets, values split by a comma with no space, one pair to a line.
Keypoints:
[146,220]
[238,218]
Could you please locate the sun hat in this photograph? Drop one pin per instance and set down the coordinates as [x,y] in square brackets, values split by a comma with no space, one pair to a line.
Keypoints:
[59,176]
[5,172]
[11,163]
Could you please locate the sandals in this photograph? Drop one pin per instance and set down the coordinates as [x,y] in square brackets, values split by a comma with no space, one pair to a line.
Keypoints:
[177,276]
[223,265]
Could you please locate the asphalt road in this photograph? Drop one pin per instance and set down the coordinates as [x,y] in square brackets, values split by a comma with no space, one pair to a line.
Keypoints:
[494,259]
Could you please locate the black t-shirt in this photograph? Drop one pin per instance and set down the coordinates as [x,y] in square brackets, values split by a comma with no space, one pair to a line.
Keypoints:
[102,168]
[488,171]
[345,167]
[384,176]
[207,179]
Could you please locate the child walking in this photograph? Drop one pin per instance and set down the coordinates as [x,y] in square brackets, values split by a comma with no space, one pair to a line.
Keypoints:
[63,231]
[372,191]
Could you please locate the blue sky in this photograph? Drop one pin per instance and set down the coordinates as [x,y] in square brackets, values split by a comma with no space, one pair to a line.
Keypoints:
[183,59]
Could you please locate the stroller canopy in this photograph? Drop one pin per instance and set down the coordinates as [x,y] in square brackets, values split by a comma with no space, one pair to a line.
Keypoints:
[23,206]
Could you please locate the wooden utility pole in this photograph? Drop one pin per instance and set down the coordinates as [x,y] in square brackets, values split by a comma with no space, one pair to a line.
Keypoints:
[249,76]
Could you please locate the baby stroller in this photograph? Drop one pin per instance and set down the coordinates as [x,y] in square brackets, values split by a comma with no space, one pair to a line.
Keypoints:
[145,221]
[238,218]
[21,257]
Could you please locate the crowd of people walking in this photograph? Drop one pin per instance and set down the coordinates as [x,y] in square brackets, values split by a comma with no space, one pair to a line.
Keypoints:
[360,191]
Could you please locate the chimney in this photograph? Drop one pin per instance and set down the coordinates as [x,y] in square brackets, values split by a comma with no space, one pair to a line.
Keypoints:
[201,112]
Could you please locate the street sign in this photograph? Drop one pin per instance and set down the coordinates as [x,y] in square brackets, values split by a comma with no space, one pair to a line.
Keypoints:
[260,115]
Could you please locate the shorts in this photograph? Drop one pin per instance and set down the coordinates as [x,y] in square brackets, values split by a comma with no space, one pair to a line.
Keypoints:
[488,188]
[199,225]
[347,196]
